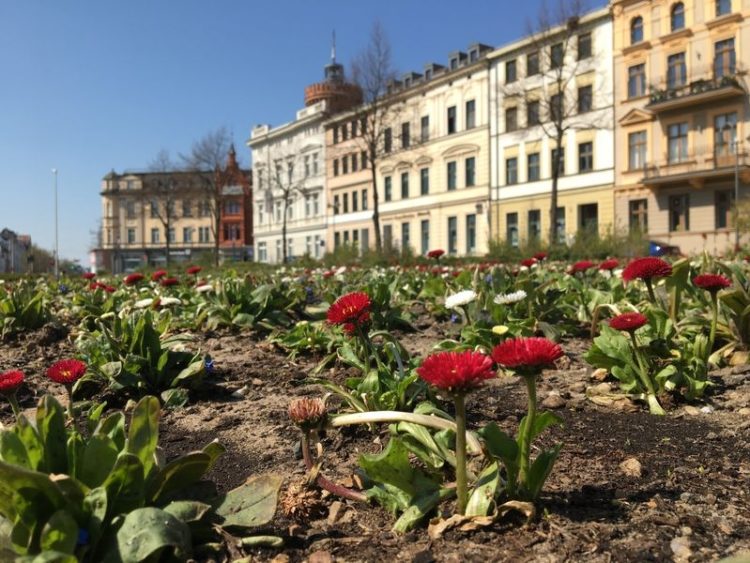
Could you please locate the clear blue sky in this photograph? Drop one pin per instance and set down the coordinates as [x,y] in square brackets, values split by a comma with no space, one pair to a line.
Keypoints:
[87,86]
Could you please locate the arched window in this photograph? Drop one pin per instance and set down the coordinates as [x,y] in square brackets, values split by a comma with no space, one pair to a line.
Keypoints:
[677,18]
[636,30]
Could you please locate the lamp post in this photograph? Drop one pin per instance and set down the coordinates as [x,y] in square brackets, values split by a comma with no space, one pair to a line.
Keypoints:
[57,240]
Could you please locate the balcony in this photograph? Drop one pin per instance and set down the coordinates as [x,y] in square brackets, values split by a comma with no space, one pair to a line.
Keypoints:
[705,87]
[698,168]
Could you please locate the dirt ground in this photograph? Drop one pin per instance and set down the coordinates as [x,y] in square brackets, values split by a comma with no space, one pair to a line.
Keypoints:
[628,486]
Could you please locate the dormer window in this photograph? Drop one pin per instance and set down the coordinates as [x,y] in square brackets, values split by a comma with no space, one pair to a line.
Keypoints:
[473,55]
[454,63]
[407,82]
[428,74]
[636,30]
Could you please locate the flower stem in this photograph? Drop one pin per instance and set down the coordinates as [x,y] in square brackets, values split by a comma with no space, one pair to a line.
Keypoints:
[322,482]
[653,403]
[14,405]
[525,439]
[466,314]
[714,321]
[459,399]
[650,287]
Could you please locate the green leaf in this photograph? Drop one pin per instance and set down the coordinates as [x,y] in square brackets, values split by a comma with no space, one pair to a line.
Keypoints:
[143,435]
[99,458]
[60,533]
[540,470]
[95,504]
[421,507]
[214,450]
[114,428]
[178,474]
[50,423]
[94,416]
[483,495]
[175,398]
[125,485]
[12,449]
[146,534]
[191,375]
[543,421]
[502,447]
[47,557]
[188,510]
[252,504]
[31,441]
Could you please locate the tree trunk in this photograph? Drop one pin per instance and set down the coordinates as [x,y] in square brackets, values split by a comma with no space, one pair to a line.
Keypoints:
[553,193]
[166,228]
[283,230]
[375,206]
[217,226]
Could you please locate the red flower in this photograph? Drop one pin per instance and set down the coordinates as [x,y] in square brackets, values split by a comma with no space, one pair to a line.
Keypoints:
[10,381]
[540,256]
[66,372]
[169,282]
[132,279]
[89,275]
[646,268]
[107,288]
[351,311]
[526,355]
[193,270]
[158,274]
[610,264]
[437,253]
[712,282]
[629,322]
[456,371]
[528,262]
[581,266]
[307,413]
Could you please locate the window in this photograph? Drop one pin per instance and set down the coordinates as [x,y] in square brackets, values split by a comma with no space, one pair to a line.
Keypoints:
[388,188]
[309,245]
[451,120]
[170,208]
[452,175]
[335,166]
[636,30]
[725,135]
[724,58]
[355,201]
[452,235]
[560,225]
[277,211]
[345,164]
[556,107]
[584,46]
[677,17]
[261,217]
[405,136]
[636,80]
[532,63]
[335,140]
[470,171]
[533,168]
[471,114]
[586,157]
[510,71]
[405,236]
[354,129]
[336,205]
[307,165]
[170,234]
[315,164]
[363,158]
[154,236]
[424,230]
[560,162]
[187,208]
[676,70]
[131,236]
[723,7]
[316,204]
[511,119]
[318,243]
[154,208]
[424,181]
[511,171]
[232,232]
[534,224]
[129,184]
[723,202]
[308,206]
[204,208]
[677,142]
[262,252]
[388,236]
[365,236]
[204,234]
[424,128]
[355,162]
[130,209]
[336,239]
[404,185]
[636,150]
[364,200]
[588,217]
[585,99]
[511,228]
[556,55]
[355,238]
[346,202]
[387,140]
[532,113]
[344,132]
[679,212]
[471,233]
[231,207]
[638,215]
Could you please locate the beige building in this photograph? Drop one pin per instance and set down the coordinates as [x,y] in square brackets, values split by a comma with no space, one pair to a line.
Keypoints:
[682,118]
[433,169]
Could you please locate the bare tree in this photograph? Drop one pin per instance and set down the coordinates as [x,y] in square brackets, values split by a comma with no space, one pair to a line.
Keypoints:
[373,72]
[206,159]
[556,105]
[162,194]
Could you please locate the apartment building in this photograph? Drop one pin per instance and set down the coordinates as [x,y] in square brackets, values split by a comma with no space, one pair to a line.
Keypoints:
[682,119]
[433,163]
[14,249]
[557,82]
[236,219]
[290,176]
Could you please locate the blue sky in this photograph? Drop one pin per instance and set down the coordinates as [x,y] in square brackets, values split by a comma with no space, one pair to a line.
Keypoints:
[88,86]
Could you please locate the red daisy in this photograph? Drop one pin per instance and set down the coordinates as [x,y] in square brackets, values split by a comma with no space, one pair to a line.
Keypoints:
[350,311]
[540,256]
[10,381]
[646,269]
[107,288]
[66,372]
[437,253]
[89,275]
[581,266]
[132,279]
[526,355]
[712,282]
[193,270]
[169,282]
[609,265]
[158,274]
[456,371]
[629,322]
[528,262]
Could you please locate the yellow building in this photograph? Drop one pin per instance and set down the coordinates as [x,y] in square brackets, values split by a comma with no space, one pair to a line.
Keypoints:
[565,69]
[681,118]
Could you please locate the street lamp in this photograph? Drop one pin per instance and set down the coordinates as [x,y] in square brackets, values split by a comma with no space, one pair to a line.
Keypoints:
[57,240]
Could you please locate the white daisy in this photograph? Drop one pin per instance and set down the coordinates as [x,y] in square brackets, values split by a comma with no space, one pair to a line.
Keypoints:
[204,288]
[461,298]
[509,298]
[167,301]
[143,303]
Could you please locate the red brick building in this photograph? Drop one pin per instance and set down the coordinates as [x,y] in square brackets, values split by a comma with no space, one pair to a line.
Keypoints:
[236,222]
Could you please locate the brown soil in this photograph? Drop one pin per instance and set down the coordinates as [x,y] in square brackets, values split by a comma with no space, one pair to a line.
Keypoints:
[691,501]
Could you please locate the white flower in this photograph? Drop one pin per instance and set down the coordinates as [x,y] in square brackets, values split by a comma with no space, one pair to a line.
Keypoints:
[509,298]
[167,301]
[143,303]
[204,288]
[461,298]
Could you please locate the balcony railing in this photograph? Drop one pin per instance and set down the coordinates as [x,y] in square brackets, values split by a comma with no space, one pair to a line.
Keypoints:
[709,85]
[697,167]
